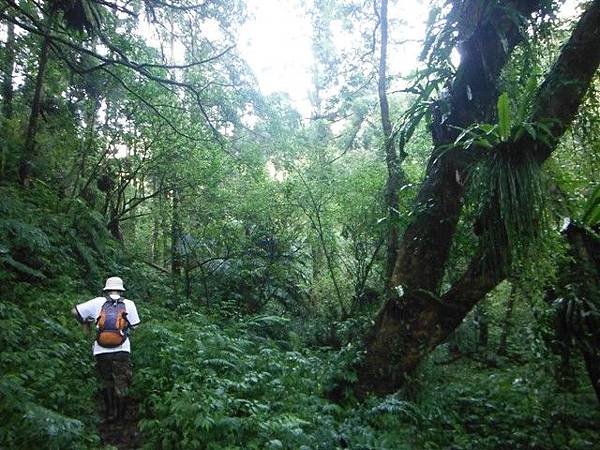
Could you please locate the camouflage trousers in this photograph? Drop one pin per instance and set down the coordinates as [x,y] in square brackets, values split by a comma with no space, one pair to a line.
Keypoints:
[114,371]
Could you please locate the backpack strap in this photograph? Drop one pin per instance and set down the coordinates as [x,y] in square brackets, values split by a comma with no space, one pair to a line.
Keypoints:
[109,299]
[121,299]
[112,300]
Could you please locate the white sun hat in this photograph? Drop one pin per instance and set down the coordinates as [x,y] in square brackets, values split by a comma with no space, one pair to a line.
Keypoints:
[114,284]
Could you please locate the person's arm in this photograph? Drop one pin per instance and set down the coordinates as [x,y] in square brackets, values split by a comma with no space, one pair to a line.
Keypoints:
[85,324]
[76,314]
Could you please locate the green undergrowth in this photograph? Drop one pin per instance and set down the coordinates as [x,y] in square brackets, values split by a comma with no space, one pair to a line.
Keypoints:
[470,405]
[250,383]
[233,384]
[215,378]
[202,381]
[45,239]
[47,384]
[53,254]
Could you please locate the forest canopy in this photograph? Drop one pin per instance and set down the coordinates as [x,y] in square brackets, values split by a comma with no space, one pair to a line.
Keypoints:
[406,259]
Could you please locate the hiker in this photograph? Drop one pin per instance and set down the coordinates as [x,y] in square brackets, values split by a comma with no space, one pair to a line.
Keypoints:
[114,317]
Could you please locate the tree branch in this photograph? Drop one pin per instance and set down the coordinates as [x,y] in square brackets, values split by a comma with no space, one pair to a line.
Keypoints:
[174,6]
[562,91]
[140,68]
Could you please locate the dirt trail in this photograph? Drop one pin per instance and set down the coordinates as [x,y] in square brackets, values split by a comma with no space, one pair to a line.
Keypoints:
[122,434]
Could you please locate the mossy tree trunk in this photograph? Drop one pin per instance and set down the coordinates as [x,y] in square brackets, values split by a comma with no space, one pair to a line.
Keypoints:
[420,317]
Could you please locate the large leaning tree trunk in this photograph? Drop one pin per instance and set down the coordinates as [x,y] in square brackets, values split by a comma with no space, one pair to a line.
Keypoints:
[420,316]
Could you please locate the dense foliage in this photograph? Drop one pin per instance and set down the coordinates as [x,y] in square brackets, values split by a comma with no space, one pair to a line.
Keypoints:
[254,240]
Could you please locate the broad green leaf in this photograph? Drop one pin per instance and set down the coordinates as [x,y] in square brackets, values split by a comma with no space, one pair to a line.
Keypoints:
[591,214]
[525,101]
[504,116]
[481,142]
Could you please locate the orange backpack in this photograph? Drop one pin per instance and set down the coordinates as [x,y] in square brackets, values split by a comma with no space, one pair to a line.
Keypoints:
[112,323]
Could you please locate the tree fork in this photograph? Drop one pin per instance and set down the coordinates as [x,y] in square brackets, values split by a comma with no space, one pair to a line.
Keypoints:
[425,246]
[411,326]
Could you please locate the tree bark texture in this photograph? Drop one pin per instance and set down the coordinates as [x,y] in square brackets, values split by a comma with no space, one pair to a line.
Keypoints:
[419,318]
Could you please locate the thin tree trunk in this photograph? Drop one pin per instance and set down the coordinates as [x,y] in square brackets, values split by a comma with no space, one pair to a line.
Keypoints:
[188,279]
[137,191]
[316,221]
[113,207]
[205,286]
[507,323]
[7,93]
[318,227]
[94,172]
[391,156]
[316,253]
[85,146]
[175,236]
[9,68]
[364,274]
[28,157]
[166,229]
[330,264]
[482,322]
[155,235]
[156,253]
[114,222]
